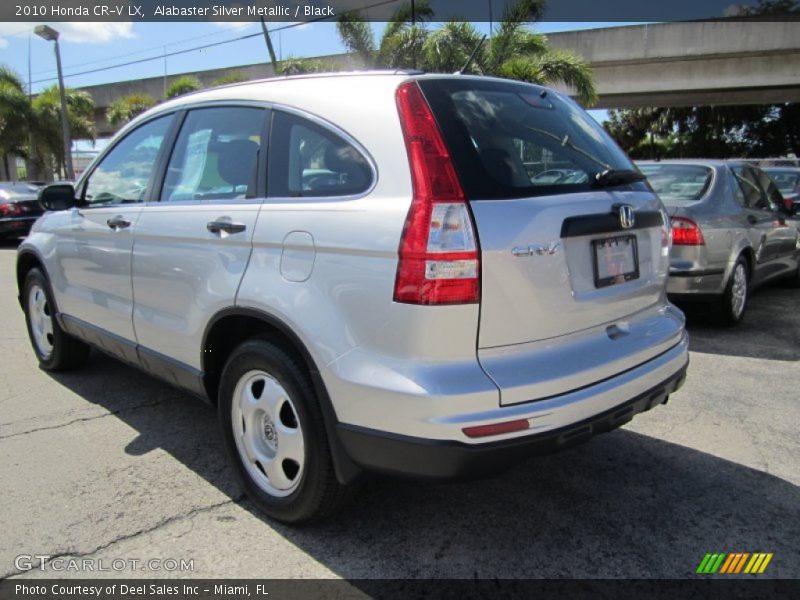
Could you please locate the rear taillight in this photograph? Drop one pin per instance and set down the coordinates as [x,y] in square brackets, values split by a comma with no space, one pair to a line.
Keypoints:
[686,232]
[9,209]
[438,256]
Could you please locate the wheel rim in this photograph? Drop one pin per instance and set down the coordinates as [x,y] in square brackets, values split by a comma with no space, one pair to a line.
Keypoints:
[268,435]
[41,320]
[738,290]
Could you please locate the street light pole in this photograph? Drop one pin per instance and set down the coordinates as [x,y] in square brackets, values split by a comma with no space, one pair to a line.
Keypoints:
[51,35]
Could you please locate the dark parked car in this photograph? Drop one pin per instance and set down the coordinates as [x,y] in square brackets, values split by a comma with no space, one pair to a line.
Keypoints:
[788,181]
[19,208]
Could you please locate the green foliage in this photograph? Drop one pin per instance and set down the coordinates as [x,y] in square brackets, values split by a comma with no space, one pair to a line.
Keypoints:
[298,66]
[183,85]
[46,122]
[14,114]
[229,78]
[749,131]
[514,51]
[126,108]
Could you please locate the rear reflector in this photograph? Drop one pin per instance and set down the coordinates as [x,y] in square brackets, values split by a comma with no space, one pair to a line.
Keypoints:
[438,255]
[496,428]
[686,232]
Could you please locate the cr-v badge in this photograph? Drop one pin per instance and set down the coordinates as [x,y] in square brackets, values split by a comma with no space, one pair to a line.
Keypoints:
[538,249]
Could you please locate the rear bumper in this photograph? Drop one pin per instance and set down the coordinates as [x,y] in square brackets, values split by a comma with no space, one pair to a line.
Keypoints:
[16,225]
[448,459]
[707,282]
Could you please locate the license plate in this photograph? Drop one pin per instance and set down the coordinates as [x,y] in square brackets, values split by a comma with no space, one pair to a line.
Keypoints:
[616,260]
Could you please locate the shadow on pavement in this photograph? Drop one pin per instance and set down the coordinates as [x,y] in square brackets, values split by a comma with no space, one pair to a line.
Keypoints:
[770,328]
[623,505]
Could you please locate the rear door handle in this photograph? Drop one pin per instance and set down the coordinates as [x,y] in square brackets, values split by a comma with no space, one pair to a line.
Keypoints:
[118,222]
[226,226]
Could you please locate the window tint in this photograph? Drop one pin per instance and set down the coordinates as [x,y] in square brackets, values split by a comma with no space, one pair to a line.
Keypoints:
[124,172]
[681,183]
[512,140]
[787,181]
[754,197]
[773,193]
[215,155]
[309,160]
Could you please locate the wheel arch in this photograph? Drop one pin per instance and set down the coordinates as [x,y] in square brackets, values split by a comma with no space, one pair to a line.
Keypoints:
[27,260]
[233,326]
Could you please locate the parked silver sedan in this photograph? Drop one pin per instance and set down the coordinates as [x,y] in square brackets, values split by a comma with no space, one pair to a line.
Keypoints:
[729,232]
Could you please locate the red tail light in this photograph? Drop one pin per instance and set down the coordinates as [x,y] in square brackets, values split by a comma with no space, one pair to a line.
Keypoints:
[9,208]
[439,261]
[686,232]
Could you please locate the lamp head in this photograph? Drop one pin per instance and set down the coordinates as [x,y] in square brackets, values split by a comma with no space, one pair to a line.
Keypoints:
[46,32]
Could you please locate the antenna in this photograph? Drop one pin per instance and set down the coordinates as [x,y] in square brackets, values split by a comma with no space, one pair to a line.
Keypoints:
[471,57]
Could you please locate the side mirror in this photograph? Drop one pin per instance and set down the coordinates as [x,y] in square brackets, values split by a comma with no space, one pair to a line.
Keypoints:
[57,196]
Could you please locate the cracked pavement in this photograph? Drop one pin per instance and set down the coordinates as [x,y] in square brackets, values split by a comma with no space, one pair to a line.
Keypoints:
[108,463]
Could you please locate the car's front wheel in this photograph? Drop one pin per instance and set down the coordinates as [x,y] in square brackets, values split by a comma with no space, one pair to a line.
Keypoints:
[274,430]
[55,349]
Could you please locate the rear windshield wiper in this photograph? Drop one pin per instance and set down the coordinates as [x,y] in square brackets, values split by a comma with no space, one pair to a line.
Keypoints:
[611,177]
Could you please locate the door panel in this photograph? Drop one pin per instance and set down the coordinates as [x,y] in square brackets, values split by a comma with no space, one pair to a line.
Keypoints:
[759,220]
[94,250]
[192,247]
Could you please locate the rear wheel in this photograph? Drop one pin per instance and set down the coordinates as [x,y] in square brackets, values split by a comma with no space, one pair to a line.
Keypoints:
[736,295]
[55,349]
[793,281]
[274,431]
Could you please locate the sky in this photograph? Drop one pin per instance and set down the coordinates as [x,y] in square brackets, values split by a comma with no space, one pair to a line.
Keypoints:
[100,46]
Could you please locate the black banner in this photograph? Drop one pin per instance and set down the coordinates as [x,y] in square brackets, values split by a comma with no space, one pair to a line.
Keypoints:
[383,10]
[733,588]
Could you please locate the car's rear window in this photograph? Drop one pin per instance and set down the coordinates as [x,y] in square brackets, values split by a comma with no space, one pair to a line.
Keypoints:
[786,181]
[678,183]
[514,140]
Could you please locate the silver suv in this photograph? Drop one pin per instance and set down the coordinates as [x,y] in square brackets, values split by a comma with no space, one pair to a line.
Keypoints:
[363,271]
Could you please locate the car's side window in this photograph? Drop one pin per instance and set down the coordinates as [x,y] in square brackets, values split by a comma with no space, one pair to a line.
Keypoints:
[773,193]
[215,156]
[309,160]
[753,194]
[737,188]
[124,172]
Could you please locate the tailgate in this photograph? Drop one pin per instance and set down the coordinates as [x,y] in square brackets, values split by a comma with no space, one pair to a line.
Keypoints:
[546,263]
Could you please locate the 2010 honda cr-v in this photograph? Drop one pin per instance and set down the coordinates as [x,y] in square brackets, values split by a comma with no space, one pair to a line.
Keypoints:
[363,271]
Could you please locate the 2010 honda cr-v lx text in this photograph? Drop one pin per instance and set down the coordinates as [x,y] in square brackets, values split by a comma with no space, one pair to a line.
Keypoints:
[366,271]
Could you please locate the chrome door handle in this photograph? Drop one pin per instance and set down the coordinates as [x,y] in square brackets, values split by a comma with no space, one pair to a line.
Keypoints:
[226,226]
[118,222]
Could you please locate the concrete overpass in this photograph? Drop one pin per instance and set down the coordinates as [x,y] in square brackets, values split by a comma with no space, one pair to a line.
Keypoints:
[668,64]
[689,64]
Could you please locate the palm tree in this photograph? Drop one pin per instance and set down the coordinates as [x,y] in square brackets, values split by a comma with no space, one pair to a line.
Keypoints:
[14,118]
[122,110]
[514,51]
[46,121]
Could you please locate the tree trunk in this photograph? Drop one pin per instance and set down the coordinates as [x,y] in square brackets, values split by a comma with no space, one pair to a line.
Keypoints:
[6,171]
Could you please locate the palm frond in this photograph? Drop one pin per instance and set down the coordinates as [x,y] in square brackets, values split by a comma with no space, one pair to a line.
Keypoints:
[357,37]
[554,67]
[402,17]
[448,48]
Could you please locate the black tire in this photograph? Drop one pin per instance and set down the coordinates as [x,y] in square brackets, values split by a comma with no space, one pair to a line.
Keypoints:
[793,281]
[316,493]
[64,352]
[731,311]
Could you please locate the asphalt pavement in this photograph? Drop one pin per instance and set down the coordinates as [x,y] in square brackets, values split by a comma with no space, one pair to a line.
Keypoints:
[107,464]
